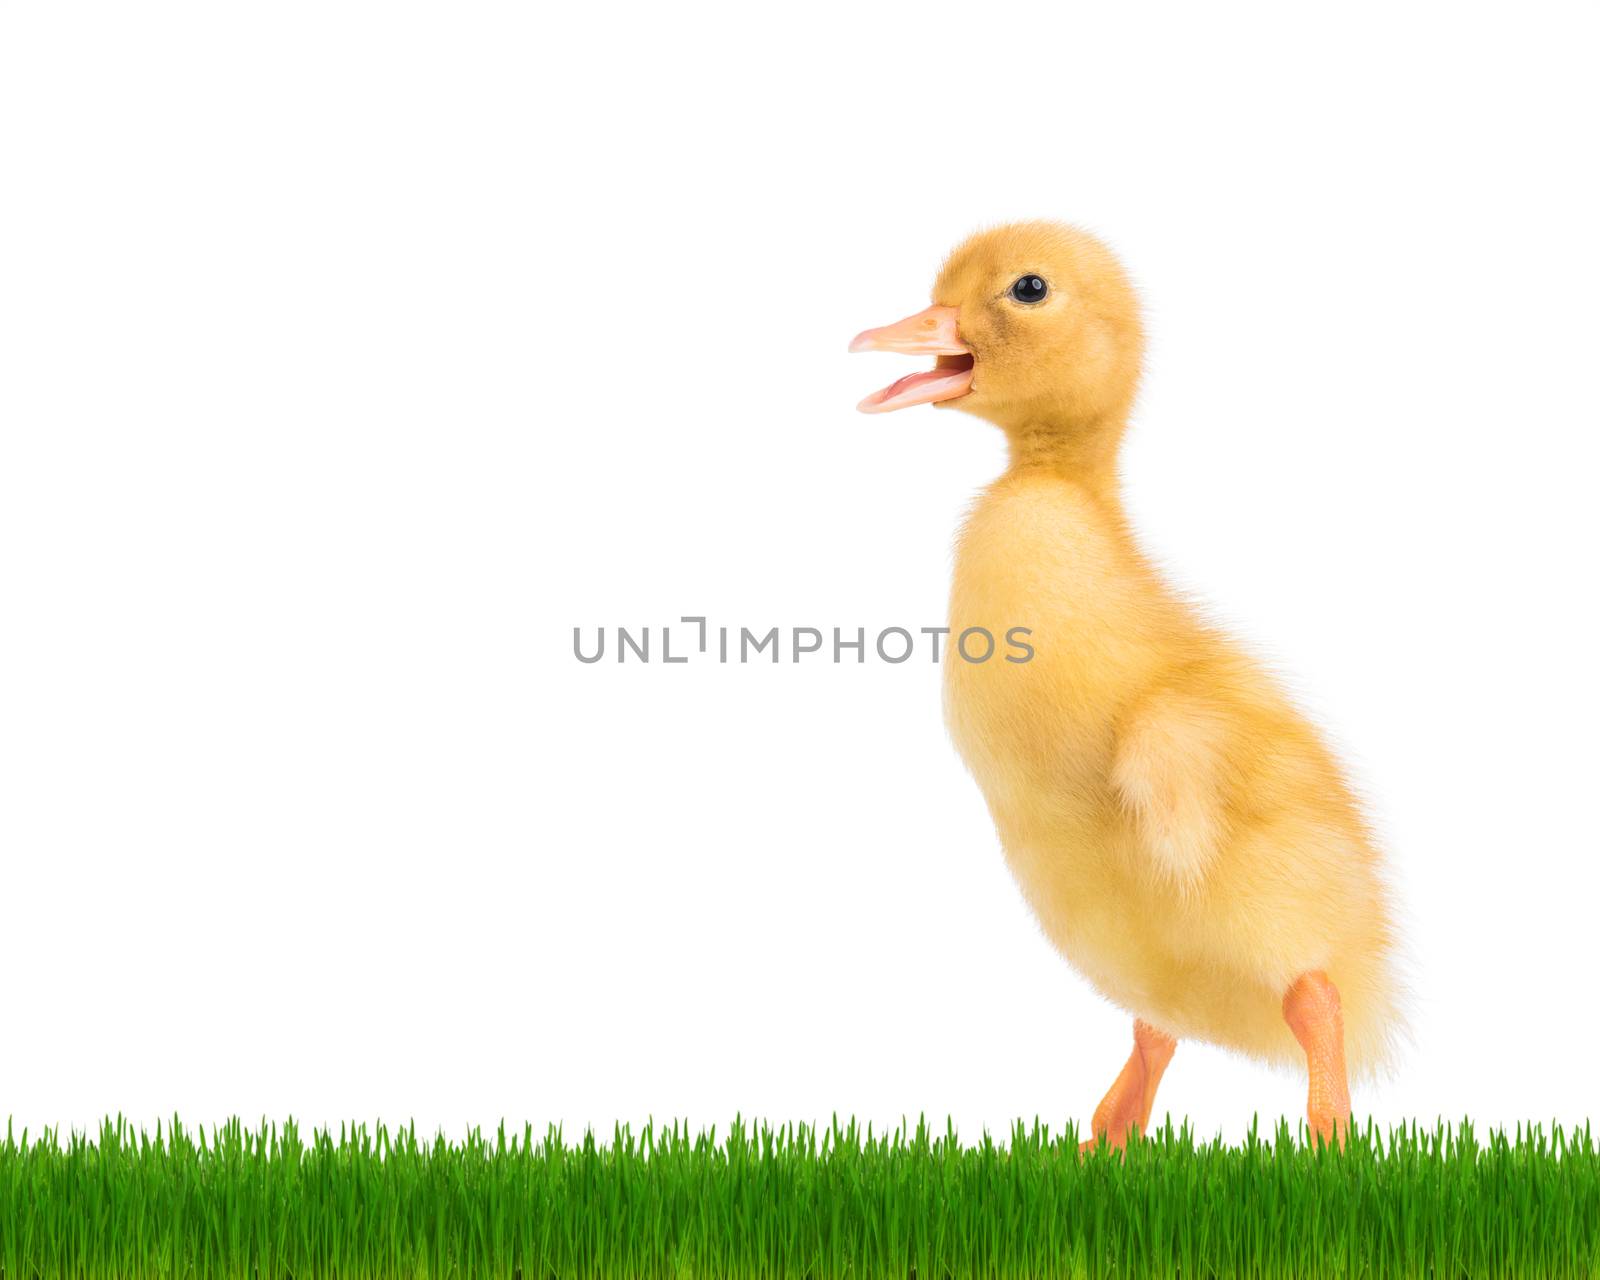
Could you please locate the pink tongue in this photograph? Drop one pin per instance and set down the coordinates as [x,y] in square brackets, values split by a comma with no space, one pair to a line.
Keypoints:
[919,388]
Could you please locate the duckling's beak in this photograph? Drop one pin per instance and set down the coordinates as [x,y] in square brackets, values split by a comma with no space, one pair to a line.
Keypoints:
[931,332]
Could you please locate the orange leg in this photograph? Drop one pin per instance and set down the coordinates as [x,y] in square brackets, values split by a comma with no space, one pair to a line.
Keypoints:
[1312,1010]
[1131,1098]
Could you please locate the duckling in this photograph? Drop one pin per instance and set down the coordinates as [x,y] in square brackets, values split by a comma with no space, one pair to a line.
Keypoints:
[1183,834]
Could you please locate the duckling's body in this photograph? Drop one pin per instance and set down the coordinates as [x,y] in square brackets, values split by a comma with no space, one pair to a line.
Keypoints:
[1184,836]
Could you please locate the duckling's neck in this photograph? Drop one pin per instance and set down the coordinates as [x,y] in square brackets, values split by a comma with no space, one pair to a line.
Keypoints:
[1084,453]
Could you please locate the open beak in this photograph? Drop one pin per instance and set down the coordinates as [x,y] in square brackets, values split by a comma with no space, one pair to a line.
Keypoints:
[931,332]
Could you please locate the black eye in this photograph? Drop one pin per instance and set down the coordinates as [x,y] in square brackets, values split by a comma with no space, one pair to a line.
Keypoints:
[1029,289]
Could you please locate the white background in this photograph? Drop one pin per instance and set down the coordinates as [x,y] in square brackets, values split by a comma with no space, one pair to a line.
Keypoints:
[351,355]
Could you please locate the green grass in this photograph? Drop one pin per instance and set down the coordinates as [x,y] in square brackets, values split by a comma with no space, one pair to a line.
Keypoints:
[792,1203]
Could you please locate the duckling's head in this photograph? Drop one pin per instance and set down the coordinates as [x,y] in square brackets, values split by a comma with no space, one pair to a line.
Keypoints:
[1036,328]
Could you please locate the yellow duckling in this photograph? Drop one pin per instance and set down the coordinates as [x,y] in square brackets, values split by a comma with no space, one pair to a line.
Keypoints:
[1184,836]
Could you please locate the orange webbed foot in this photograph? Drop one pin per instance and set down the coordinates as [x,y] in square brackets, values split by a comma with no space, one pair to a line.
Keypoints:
[1314,1013]
[1131,1098]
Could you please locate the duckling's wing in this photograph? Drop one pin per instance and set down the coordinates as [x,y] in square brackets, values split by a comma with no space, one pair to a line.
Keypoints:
[1169,770]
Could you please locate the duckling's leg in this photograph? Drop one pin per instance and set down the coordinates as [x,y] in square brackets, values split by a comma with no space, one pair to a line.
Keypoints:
[1313,1013]
[1134,1094]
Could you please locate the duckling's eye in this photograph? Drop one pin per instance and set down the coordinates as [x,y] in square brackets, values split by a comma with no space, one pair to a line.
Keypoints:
[1029,289]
